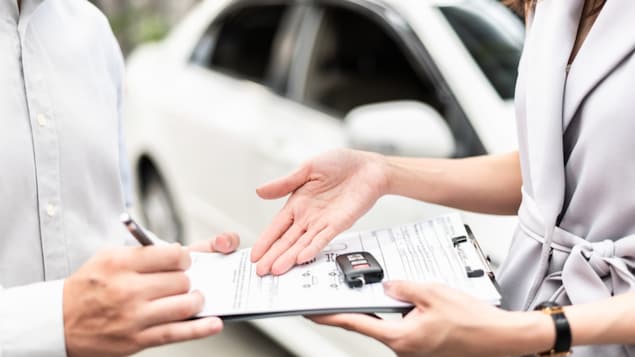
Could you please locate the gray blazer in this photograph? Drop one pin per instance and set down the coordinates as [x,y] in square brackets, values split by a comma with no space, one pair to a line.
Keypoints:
[575,242]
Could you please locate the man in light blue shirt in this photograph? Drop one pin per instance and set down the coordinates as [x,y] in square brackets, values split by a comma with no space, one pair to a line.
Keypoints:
[61,84]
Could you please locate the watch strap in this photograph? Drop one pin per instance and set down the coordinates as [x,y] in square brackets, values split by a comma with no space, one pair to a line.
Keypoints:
[562,344]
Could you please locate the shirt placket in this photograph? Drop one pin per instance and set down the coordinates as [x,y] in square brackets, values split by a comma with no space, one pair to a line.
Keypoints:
[46,154]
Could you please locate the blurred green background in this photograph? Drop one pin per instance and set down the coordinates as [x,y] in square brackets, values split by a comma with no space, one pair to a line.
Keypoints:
[137,21]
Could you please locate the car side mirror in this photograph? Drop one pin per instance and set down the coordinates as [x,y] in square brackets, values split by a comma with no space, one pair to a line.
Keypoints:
[404,128]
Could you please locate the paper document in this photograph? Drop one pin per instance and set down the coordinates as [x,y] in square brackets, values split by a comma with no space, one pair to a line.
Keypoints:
[422,251]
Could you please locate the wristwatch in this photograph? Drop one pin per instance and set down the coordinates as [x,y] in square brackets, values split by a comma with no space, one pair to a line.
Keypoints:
[562,345]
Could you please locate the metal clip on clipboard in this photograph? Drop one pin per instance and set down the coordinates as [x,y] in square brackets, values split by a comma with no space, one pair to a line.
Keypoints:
[475,273]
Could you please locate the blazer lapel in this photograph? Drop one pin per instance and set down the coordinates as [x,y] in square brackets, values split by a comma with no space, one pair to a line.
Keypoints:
[610,41]
[549,45]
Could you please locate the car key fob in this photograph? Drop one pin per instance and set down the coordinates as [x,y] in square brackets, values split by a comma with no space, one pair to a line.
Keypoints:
[359,269]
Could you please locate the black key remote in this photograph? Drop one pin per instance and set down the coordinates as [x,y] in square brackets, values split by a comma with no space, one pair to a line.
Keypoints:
[359,269]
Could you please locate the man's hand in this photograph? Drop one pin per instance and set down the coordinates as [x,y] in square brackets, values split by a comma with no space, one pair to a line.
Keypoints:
[126,299]
[446,322]
[328,194]
[222,243]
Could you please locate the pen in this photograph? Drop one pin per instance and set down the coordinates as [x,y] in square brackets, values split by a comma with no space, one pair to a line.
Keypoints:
[136,230]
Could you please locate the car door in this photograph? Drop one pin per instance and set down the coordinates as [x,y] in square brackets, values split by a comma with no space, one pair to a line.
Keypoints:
[344,57]
[353,57]
[349,55]
[222,93]
[243,131]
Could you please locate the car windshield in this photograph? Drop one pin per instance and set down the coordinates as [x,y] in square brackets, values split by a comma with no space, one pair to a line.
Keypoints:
[493,36]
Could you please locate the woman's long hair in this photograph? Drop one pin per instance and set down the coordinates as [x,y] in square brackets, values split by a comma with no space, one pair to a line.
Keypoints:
[522,7]
[519,6]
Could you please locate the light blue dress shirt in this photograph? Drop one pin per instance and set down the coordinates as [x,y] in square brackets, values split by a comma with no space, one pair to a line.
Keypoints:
[61,154]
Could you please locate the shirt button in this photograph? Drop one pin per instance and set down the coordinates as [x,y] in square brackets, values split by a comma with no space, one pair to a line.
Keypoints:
[51,209]
[41,120]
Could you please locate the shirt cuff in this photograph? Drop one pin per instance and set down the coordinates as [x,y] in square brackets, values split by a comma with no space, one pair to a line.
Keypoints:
[32,320]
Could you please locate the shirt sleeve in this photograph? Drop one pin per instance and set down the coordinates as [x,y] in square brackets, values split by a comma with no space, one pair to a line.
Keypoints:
[32,321]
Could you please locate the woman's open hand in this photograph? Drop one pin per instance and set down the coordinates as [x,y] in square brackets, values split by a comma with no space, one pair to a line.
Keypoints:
[328,194]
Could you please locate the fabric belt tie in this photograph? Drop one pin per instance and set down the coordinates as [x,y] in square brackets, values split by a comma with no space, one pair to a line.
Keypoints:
[587,263]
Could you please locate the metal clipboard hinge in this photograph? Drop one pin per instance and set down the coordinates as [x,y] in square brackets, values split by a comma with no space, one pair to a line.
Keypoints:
[486,262]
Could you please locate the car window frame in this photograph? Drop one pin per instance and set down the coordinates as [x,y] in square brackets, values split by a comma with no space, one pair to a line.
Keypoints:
[274,80]
[398,28]
[441,7]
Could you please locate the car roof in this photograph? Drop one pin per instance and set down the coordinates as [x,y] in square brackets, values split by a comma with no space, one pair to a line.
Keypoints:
[360,2]
[392,4]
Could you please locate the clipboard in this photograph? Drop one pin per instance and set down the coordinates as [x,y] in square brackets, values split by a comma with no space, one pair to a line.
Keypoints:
[485,260]
[421,251]
[471,272]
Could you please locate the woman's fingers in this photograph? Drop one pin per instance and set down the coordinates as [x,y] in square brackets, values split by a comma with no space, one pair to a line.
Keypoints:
[322,189]
[379,329]
[179,331]
[278,248]
[284,186]
[280,224]
[317,245]
[289,258]
[416,293]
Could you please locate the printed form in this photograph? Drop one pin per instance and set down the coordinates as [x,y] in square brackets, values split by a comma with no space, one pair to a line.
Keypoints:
[422,251]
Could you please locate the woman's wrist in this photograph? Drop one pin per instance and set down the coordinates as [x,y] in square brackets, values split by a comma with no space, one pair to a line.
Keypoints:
[529,332]
[602,322]
[381,167]
[391,171]
[422,178]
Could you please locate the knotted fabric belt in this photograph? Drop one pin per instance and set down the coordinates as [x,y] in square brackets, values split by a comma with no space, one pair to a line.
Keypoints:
[587,263]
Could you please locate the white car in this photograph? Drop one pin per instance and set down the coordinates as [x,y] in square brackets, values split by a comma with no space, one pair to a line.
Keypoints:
[243,91]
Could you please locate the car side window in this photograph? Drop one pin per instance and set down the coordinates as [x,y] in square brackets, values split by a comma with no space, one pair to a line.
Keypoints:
[495,42]
[241,41]
[356,61]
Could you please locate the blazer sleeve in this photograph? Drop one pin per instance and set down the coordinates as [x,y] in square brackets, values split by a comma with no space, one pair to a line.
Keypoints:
[32,321]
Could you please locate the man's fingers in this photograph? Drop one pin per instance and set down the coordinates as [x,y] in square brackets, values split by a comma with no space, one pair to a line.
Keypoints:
[274,231]
[222,243]
[317,244]
[158,285]
[152,259]
[364,324]
[284,186]
[179,331]
[278,248]
[172,308]
[226,242]
[289,258]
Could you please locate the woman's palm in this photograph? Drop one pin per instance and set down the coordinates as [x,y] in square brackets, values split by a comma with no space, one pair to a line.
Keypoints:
[328,194]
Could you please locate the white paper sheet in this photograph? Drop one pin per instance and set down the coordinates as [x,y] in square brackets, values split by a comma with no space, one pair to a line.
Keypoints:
[421,251]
